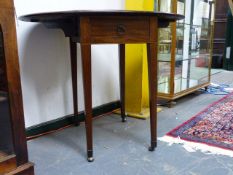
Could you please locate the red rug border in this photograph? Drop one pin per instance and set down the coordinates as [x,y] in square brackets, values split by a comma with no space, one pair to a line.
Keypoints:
[212,145]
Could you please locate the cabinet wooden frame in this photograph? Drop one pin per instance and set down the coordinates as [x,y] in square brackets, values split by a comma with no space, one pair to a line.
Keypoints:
[13,163]
[172,95]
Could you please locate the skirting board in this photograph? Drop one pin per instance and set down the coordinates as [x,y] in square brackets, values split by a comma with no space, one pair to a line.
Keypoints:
[62,122]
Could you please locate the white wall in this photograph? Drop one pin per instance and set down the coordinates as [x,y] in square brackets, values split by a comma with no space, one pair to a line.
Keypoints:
[45,64]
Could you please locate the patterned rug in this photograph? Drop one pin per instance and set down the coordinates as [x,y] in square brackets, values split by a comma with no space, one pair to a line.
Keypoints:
[210,131]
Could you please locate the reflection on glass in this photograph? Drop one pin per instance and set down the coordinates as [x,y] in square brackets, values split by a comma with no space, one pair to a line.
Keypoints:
[199,68]
[179,40]
[201,28]
[165,42]
[178,69]
[165,6]
[164,69]
[180,30]
[5,127]
[197,75]
[181,7]
[156,7]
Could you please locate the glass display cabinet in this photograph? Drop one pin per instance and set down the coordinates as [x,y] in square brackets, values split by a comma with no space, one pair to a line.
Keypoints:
[13,148]
[185,48]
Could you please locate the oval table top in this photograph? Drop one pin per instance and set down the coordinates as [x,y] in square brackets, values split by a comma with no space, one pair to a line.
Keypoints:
[60,15]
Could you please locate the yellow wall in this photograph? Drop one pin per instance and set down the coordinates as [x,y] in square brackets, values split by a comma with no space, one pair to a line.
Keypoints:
[136,65]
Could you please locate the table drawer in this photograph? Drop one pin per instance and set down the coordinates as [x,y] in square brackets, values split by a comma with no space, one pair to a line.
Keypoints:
[119,29]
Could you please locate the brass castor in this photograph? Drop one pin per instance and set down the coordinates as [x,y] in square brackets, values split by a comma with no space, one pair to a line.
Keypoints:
[124,119]
[153,146]
[90,159]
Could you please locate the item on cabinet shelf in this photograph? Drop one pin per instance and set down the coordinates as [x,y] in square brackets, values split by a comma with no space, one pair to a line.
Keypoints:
[201,62]
[228,55]
[219,35]
[230,2]
[184,62]
[210,131]
[101,27]
[13,147]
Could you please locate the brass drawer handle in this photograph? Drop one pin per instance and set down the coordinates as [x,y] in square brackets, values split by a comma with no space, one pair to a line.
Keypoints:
[121,29]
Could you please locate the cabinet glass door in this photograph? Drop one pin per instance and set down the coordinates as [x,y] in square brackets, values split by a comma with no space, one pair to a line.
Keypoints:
[200,41]
[179,55]
[164,60]
[164,49]
[197,42]
[6,145]
[184,48]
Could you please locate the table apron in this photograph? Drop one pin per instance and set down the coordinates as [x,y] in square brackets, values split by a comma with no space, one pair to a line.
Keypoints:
[115,29]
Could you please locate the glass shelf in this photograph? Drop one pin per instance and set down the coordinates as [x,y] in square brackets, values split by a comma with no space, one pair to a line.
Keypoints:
[197,66]
[181,84]
[179,58]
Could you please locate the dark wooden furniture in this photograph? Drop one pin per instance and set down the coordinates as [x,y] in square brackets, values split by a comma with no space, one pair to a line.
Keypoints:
[114,27]
[13,147]
[219,38]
